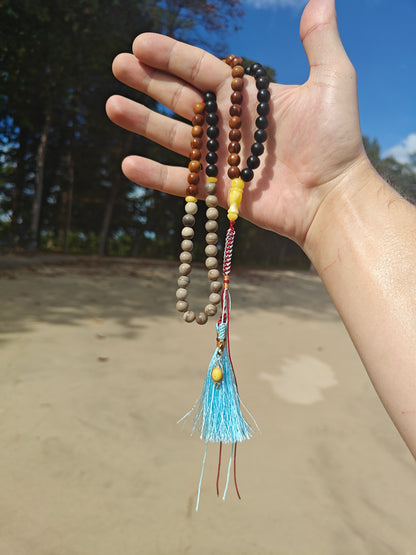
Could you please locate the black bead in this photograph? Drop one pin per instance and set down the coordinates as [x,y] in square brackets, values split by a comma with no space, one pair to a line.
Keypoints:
[255,67]
[211,106]
[257,149]
[211,118]
[209,96]
[263,108]
[260,135]
[253,162]
[211,158]
[213,131]
[211,170]
[262,82]
[247,175]
[263,95]
[248,70]
[261,122]
[212,145]
[259,72]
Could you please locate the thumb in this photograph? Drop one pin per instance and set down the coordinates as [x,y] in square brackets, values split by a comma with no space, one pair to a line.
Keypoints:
[320,37]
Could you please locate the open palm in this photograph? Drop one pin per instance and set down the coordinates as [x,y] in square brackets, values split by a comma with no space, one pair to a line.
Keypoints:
[313,136]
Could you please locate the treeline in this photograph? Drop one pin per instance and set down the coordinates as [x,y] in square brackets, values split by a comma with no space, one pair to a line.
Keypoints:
[61,188]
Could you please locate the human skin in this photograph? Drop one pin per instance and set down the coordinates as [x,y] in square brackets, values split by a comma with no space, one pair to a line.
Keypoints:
[315,185]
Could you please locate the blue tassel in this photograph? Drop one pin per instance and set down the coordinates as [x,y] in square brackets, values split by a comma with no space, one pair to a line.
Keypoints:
[218,417]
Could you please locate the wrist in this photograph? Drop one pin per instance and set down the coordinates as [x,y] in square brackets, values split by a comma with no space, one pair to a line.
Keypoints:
[343,211]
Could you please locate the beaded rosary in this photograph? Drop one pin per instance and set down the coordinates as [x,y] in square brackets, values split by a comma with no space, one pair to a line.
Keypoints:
[217,412]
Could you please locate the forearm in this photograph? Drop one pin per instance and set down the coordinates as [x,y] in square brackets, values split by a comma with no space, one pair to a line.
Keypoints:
[363,244]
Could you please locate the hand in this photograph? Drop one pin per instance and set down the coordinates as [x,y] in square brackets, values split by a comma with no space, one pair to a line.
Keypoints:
[314,136]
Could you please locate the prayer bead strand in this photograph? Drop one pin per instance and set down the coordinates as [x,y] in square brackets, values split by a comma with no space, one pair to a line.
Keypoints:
[203,111]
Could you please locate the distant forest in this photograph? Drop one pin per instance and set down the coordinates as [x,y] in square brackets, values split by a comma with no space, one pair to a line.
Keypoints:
[61,187]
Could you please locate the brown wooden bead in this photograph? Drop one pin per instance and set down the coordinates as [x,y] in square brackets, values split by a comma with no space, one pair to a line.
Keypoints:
[233,172]
[236,97]
[195,154]
[198,119]
[194,166]
[234,146]
[191,190]
[233,159]
[229,59]
[235,122]
[196,142]
[237,84]
[234,135]
[237,71]
[237,61]
[235,110]
[193,178]
[199,108]
[197,131]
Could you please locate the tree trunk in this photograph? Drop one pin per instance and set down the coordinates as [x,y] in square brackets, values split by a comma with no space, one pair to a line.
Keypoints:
[39,182]
[19,182]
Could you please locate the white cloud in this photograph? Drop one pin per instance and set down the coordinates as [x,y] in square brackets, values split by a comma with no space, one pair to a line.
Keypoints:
[402,151]
[277,3]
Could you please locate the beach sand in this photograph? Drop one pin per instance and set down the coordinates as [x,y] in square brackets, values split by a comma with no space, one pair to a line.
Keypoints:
[96,369]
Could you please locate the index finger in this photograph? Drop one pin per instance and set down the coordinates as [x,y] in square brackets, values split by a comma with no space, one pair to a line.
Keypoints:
[193,65]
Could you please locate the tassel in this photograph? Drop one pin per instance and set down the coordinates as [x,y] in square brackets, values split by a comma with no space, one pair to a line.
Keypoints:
[218,417]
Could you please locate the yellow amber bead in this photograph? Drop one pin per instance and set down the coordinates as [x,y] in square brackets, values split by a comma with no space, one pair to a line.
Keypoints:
[191,199]
[234,198]
[212,179]
[217,374]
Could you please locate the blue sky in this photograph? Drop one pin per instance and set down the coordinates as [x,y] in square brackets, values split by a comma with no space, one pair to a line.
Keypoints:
[380,39]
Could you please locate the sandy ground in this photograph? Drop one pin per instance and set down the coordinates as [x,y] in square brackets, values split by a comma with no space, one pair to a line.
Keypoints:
[96,369]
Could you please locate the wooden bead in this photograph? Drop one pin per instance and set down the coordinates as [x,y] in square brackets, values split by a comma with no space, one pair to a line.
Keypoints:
[211,201]
[201,318]
[234,147]
[199,108]
[195,154]
[181,306]
[236,97]
[185,257]
[191,208]
[198,119]
[197,131]
[216,286]
[233,172]
[237,84]
[211,238]
[234,135]
[194,166]
[188,220]
[211,263]
[213,274]
[189,316]
[215,298]
[212,213]
[237,61]
[188,233]
[181,294]
[187,245]
[210,309]
[237,71]
[196,142]
[235,122]
[184,281]
[191,190]
[210,188]
[235,110]
[229,59]
[193,178]
[211,226]
[184,269]
[233,159]
[211,250]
